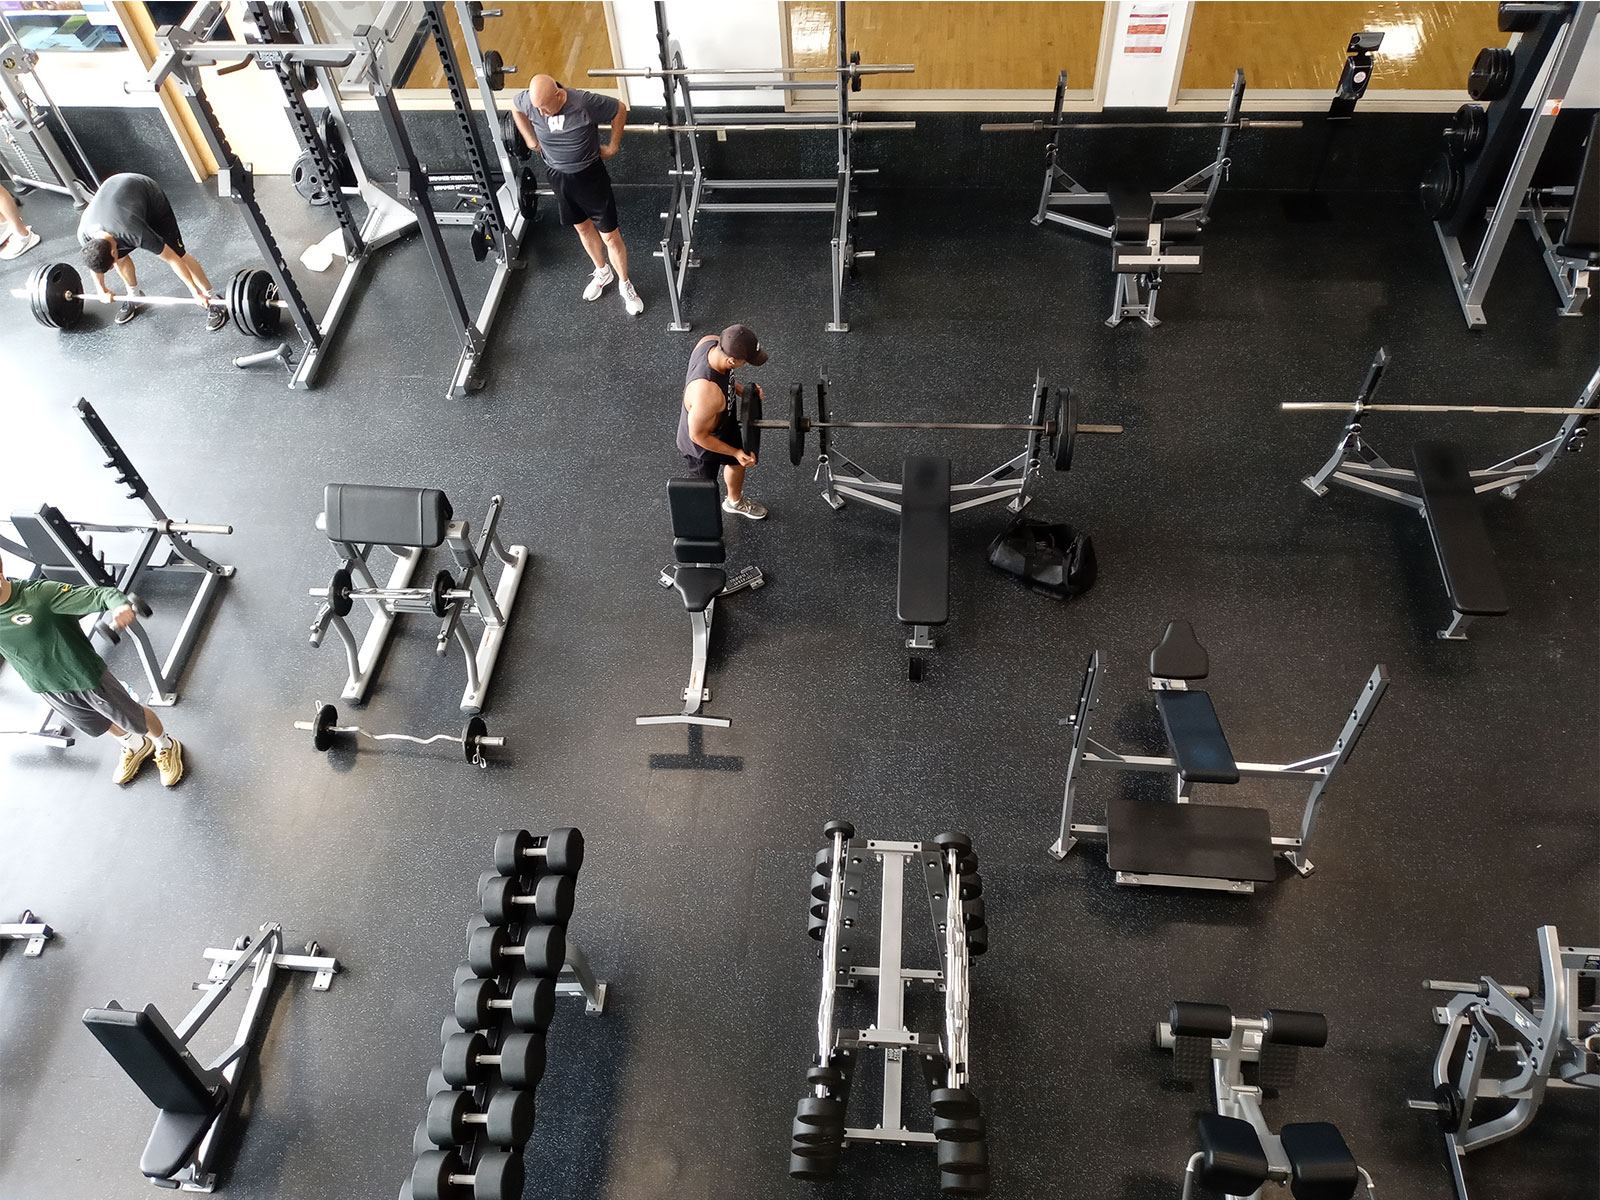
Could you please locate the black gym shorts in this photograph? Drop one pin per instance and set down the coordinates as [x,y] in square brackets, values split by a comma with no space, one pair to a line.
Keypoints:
[706,464]
[586,195]
[162,219]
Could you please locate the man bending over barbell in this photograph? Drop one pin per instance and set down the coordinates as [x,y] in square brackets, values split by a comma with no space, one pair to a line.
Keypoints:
[130,212]
[40,637]
[708,421]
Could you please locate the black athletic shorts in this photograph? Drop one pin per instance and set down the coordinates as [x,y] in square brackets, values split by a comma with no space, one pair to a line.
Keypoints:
[707,463]
[162,219]
[586,195]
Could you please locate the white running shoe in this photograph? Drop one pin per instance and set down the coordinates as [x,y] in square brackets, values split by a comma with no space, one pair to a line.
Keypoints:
[746,507]
[598,282]
[16,246]
[630,298]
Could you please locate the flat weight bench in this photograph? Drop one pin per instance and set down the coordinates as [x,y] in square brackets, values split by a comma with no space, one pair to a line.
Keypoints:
[1181,844]
[699,580]
[1460,538]
[922,599]
[194,1102]
[358,518]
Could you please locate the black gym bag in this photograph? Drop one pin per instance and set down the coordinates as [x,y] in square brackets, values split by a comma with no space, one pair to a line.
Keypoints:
[1053,559]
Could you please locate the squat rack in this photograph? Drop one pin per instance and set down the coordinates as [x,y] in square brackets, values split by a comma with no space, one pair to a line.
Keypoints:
[687,175]
[44,165]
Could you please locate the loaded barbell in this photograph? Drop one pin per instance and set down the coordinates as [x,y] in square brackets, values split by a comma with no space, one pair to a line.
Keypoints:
[1059,425]
[437,598]
[1358,408]
[55,292]
[474,736]
[1041,126]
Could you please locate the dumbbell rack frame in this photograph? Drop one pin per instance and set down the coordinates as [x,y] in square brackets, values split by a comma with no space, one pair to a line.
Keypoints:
[27,928]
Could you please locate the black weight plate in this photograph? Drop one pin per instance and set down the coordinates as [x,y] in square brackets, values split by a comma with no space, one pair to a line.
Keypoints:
[339,593]
[1490,77]
[236,304]
[1441,188]
[528,193]
[821,419]
[259,294]
[304,177]
[322,732]
[57,292]
[1463,137]
[797,426]
[438,601]
[1067,438]
[1515,20]
[1053,419]
[475,728]
[494,70]
[338,155]
[749,414]
[482,240]
[512,137]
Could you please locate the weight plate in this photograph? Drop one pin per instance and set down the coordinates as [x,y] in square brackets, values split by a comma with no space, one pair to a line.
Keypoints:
[304,177]
[749,415]
[821,426]
[494,70]
[1463,137]
[1068,437]
[797,426]
[338,155]
[1053,420]
[512,137]
[259,293]
[1517,20]
[476,728]
[56,291]
[438,601]
[236,304]
[528,193]
[339,593]
[322,726]
[482,240]
[1490,77]
[1441,188]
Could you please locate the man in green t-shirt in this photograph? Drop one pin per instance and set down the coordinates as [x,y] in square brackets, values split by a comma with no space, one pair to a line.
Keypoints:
[40,637]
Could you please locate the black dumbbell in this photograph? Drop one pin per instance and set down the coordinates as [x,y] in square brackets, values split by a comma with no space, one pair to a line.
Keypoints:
[517,852]
[532,1004]
[111,633]
[551,899]
[967,861]
[972,913]
[977,940]
[520,1057]
[543,950]
[441,1175]
[952,1102]
[507,1121]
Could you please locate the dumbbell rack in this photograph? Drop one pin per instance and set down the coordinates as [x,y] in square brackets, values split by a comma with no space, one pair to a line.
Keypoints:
[27,928]
[954,889]
[537,874]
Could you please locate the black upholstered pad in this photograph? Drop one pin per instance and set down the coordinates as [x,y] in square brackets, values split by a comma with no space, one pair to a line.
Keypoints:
[924,593]
[696,509]
[174,1140]
[1321,1165]
[145,1046]
[1234,1160]
[1206,841]
[698,586]
[385,516]
[1180,654]
[1455,519]
[1196,738]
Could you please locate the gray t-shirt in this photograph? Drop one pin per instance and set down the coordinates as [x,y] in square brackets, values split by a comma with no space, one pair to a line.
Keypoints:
[134,210]
[570,140]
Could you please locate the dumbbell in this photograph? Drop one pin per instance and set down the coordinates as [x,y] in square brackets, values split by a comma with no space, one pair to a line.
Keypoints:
[959,1128]
[517,852]
[550,901]
[532,1004]
[507,1121]
[111,633]
[543,950]
[520,1058]
[441,1175]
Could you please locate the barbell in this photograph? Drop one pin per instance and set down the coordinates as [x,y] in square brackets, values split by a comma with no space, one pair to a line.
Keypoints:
[1356,407]
[439,596]
[854,125]
[1059,425]
[55,293]
[474,736]
[852,69]
[1041,126]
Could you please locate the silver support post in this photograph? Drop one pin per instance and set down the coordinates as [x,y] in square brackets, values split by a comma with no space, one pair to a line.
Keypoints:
[1343,746]
[583,982]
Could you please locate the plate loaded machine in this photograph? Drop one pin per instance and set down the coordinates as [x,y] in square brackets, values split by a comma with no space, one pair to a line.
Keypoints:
[196,1103]
[63,550]
[927,498]
[687,175]
[301,65]
[1551,1040]
[1447,490]
[1238,1154]
[1491,155]
[27,928]
[1211,846]
[1150,232]
[359,518]
[949,870]
[29,151]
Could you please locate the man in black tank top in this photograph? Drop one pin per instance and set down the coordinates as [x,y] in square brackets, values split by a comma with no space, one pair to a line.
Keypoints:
[708,423]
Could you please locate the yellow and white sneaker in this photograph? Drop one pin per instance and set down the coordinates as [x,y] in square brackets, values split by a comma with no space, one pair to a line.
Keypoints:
[128,765]
[170,762]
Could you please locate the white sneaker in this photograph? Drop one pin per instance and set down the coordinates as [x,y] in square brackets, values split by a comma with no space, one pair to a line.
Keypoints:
[746,507]
[597,283]
[630,298]
[16,246]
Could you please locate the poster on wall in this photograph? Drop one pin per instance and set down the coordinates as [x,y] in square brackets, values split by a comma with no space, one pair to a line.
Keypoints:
[1146,32]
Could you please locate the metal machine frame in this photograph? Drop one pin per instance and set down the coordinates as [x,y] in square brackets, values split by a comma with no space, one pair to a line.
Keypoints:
[27,928]
[1555,1039]
[23,117]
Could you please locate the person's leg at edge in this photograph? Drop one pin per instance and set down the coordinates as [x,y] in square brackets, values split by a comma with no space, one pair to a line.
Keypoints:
[733,476]
[590,237]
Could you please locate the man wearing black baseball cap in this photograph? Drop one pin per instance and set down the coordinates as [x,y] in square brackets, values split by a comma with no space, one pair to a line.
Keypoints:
[708,424]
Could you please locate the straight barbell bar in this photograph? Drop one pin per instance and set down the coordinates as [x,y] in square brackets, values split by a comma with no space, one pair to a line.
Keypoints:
[1042,126]
[341,593]
[854,125]
[853,69]
[474,736]
[1356,407]
[55,293]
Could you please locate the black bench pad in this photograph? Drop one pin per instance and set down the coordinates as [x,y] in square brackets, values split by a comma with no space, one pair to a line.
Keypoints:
[1234,1161]
[1207,841]
[1195,736]
[1321,1165]
[385,516]
[1460,540]
[698,586]
[1180,654]
[924,591]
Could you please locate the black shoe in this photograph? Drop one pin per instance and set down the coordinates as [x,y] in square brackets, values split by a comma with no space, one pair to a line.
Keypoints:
[216,318]
[128,312]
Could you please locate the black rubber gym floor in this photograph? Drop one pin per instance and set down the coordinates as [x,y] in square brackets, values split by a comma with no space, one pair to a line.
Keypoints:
[1466,818]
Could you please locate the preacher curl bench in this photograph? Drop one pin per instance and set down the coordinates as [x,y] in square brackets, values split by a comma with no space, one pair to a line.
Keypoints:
[1210,846]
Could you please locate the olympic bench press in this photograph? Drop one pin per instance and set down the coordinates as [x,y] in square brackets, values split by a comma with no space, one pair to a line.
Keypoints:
[700,582]
[1238,1154]
[357,519]
[1206,846]
[1447,489]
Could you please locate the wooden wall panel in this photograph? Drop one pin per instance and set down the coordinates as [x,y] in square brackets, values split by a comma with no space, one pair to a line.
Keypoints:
[1426,45]
[564,38]
[957,45]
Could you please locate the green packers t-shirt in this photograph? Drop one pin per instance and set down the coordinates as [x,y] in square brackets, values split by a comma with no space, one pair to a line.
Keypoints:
[41,638]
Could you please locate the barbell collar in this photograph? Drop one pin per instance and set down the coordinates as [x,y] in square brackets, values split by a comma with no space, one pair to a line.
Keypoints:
[1358,409]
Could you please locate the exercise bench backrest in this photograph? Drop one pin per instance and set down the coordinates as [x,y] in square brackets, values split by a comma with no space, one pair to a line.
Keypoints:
[385,516]
[145,1046]
[696,508]
[1581,235]
[924,592]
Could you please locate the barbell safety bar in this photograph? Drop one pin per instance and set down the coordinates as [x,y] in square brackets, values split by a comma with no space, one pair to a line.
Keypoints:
[658,72]
[1042,126]
[808,424]
[113,298]
[1350,407]
[493,743]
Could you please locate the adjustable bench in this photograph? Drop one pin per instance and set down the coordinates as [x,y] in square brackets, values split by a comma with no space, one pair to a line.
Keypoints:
[1447,494]
[358,518]
[194,1102]
[699,580]
[1239,1154]
[1210,846]
[1147,240]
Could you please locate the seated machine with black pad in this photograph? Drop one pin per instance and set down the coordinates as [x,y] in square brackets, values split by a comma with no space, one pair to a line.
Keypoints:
[1209,846]
[358,518]
[699,580]
[194,1103]
[1238,1154]
[1505,1046]
[1447,489]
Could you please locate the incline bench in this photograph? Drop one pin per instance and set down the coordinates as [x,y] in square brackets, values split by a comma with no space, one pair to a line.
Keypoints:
[1209,846]
[1447,495]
